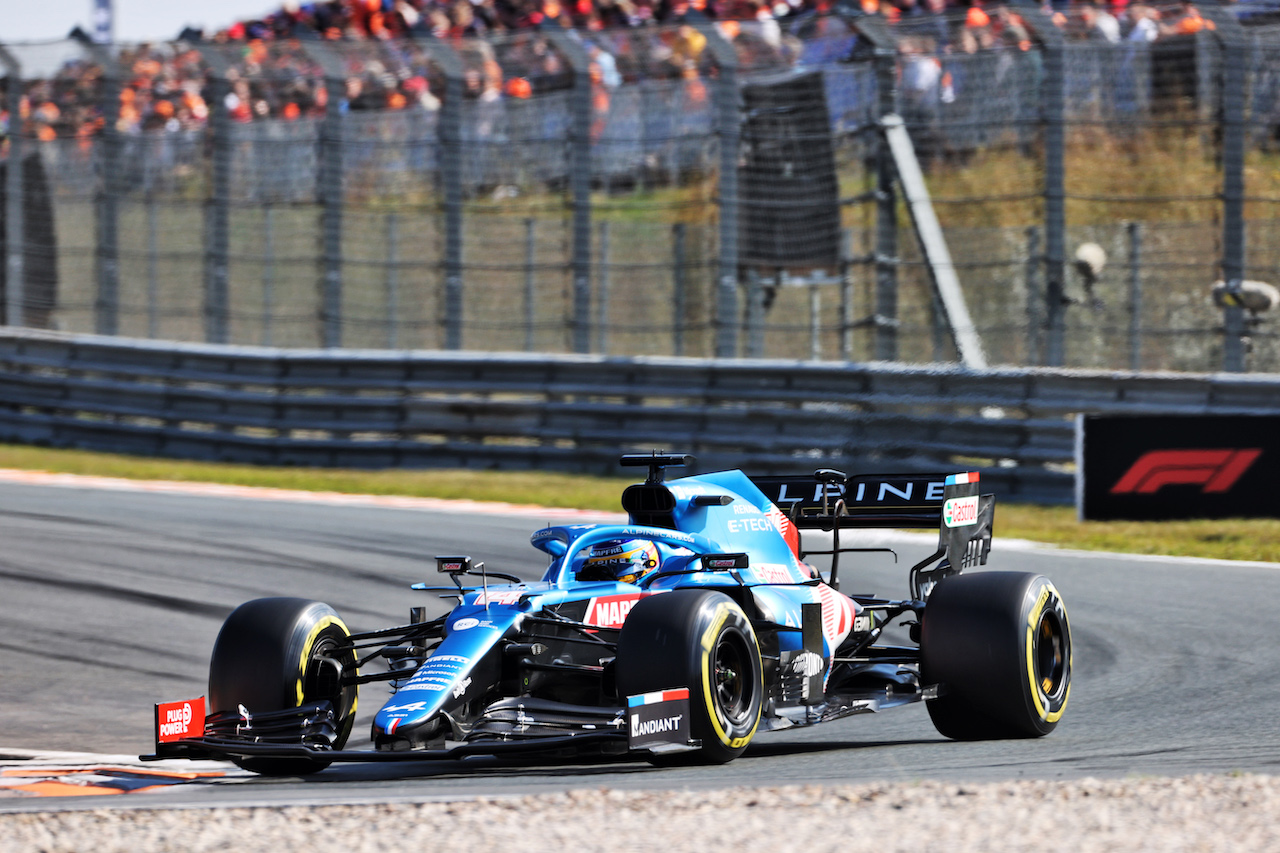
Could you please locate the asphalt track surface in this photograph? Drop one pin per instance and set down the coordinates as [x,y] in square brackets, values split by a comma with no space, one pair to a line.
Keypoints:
[112,601]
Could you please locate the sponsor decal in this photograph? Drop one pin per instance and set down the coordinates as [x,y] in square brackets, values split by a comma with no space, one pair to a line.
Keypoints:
[648,727]
[646,532]
[465,623]
[409,708]
[720,562]
[657,696]
[759,524]
[960,512]
[864,623]
[452,567]
[807,664]
[866,492]
[611,611]
[658,718]
[1214,470]
[773,573]
[438,669]
[432,683]
[461,688]
[178,720]
[501,596]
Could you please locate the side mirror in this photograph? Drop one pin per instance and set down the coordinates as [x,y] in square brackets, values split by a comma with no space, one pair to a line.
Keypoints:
[455,565]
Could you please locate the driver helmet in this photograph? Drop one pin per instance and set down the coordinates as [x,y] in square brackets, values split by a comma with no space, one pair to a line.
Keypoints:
[624,560]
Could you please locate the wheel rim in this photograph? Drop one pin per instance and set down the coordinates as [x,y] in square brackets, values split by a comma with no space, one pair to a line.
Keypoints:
[732,678]
[321,681]
[1051,655]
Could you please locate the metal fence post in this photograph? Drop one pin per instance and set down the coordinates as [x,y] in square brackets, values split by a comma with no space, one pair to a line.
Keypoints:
[530,290]
[14,295]
[755,314]
[449,139]
[393,278]
[1053,116]
[679,298]
[268,271]
[1231,117]
[1135,296]
[1034,265]
[846,294]
[602,303]
[580,183]
[153,274]
[728,128]
[329,191]
[216,212]
[885,52]
[106,208]
[815,323]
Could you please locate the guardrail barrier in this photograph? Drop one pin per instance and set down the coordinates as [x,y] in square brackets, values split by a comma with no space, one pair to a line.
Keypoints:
[382,408]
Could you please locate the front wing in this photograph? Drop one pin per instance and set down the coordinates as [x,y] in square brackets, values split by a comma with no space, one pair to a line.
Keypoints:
[651,724]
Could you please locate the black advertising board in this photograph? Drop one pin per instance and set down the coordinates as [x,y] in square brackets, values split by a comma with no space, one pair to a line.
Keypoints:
[1168,467]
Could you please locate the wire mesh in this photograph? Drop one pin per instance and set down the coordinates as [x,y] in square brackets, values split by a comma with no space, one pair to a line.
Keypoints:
[1142,125]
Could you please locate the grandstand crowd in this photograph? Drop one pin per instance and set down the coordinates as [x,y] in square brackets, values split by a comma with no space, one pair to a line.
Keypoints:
[166,86]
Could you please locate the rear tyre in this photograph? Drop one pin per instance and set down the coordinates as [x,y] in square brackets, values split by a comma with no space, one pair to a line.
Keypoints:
[268,657]
[702,640]
[999,644]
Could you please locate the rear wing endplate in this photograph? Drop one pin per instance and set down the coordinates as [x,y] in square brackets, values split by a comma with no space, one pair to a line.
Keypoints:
[949,503]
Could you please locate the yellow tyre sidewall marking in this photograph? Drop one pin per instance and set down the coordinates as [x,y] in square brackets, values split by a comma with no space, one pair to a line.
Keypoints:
[309,645]
[723,609]
[1047,593]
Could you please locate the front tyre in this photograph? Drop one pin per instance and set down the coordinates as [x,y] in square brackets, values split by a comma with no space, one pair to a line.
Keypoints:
[274,654]
[999,644]
[702,640]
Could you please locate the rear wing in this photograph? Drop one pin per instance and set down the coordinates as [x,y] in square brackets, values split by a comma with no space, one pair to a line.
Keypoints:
[827,499]
[949,503]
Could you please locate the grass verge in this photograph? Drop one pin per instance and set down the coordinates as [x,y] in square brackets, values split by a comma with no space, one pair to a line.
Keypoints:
[1231,539]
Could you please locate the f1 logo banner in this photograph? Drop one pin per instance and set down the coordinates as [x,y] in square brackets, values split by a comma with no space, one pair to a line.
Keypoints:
[1167,467]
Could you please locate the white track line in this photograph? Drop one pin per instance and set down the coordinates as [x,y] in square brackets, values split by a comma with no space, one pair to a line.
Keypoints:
[260,493]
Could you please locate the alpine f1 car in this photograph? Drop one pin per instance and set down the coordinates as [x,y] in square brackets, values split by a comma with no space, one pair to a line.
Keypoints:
[679,636]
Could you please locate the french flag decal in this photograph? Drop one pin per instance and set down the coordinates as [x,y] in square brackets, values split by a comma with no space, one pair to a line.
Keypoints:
[657,696]
[962,479]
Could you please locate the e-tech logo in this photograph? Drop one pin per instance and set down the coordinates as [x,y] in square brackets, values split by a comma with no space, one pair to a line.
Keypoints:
[1215,470]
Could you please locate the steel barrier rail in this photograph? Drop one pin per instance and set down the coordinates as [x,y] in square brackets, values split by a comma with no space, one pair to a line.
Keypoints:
[359,408]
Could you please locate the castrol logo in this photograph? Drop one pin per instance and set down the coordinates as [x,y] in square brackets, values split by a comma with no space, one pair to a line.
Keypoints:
[958,512]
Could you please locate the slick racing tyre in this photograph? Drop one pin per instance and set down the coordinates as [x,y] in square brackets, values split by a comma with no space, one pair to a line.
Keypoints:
[702,640]
[270,656]
[999,645]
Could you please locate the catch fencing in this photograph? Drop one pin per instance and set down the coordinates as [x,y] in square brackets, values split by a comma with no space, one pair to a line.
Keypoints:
[368,409]
[693,189]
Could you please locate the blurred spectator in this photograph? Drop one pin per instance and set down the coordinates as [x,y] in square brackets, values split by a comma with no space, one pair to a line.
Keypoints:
[1099,24]
[1186,21]
[1142,23]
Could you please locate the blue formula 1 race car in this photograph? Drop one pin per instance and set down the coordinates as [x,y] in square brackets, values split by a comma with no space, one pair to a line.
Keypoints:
[679,636]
